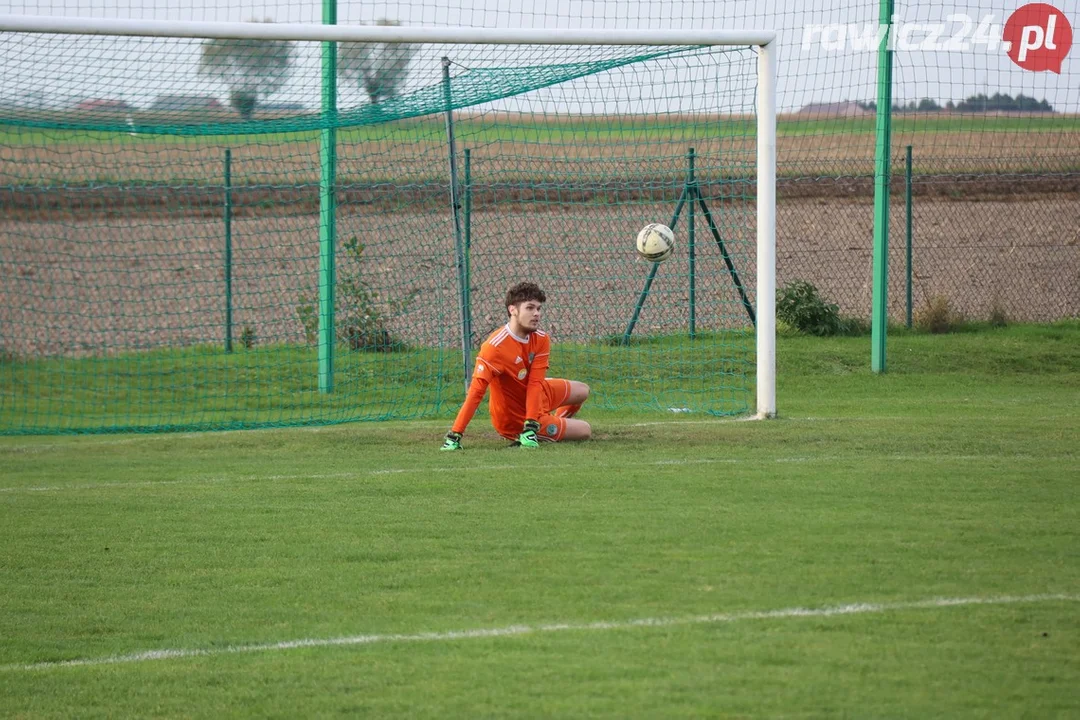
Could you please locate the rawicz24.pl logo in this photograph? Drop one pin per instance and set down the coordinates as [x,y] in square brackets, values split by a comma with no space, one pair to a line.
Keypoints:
[1036,37]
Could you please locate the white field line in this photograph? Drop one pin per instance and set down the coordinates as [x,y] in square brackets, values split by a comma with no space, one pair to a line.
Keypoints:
[518,630]
[346,475]
[93,441]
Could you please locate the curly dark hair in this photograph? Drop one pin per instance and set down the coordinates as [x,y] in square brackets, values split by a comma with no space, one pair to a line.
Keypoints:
[523,292]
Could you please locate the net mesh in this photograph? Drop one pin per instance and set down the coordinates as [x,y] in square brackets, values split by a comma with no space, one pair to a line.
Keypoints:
[163,233]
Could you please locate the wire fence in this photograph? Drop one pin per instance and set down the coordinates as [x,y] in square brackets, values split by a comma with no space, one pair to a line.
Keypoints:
[993,246]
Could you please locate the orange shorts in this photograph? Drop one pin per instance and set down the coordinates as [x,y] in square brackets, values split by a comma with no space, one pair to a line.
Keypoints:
[556,392]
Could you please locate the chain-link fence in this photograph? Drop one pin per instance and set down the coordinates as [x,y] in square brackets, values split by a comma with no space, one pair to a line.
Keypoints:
[1001,246]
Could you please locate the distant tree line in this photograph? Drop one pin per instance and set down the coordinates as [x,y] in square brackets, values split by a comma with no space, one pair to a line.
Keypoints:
[253,70]
[997,102]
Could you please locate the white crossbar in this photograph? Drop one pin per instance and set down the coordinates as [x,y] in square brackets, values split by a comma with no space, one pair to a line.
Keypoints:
[377,33]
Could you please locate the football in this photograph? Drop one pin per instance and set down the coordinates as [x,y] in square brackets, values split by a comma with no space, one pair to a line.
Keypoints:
[655,242]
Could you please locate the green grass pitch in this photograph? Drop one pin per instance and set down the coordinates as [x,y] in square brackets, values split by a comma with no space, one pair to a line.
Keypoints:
[905,545]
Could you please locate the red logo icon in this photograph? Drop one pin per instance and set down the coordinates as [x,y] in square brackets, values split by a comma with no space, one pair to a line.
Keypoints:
[1038,37]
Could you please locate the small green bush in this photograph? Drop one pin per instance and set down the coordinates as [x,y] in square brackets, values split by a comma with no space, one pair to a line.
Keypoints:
[800,306]
[361,312]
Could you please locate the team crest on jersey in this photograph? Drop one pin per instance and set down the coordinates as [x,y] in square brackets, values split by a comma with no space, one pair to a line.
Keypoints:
[522,373]
[552,429]
[479,367]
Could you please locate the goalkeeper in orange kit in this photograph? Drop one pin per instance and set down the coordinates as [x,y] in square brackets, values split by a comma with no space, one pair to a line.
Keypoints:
[526,406]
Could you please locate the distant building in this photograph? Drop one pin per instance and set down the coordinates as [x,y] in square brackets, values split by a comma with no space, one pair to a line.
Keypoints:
[836,109]
[186,103]
[103,106]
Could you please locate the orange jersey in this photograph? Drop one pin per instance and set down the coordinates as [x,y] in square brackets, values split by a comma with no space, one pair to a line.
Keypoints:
[514,367]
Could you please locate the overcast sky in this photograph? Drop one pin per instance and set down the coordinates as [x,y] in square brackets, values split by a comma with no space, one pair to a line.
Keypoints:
[808,72]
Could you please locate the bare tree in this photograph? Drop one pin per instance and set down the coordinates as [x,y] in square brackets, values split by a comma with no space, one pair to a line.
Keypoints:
[379,68]
[251,69]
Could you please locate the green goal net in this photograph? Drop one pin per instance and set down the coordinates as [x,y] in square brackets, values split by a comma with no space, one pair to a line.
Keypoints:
[166,226]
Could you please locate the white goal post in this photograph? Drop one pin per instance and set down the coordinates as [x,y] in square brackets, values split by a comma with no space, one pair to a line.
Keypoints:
[763,40]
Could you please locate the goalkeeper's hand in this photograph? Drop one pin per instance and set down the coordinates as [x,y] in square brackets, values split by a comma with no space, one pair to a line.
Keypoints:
[527,438]
[452,441]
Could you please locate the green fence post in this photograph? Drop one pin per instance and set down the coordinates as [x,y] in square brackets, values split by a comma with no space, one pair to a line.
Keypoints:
[883,149]
[228,250]
[468,236]
[692,185]
[687,191]
[327,205]
[907,207]
[459,242]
